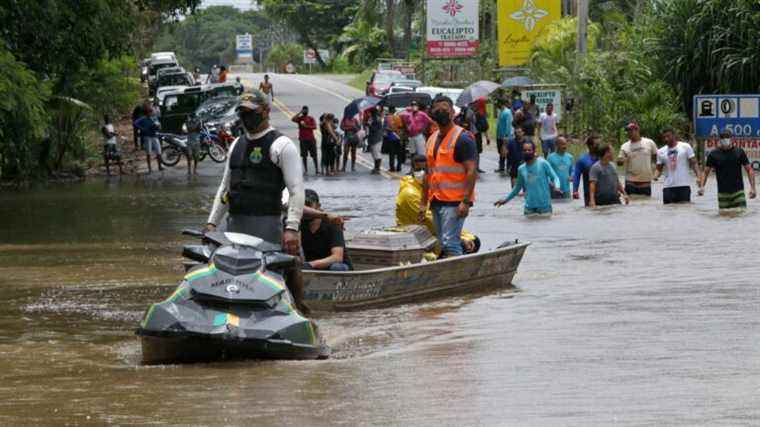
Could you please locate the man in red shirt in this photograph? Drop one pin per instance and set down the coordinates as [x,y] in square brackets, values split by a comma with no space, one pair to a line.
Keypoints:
[306,127]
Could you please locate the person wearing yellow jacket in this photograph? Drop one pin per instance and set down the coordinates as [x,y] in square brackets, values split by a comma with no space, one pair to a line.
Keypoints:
[408,205]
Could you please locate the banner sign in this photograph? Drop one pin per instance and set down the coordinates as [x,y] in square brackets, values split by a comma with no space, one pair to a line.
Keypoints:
[545,97]
[244,47]
[310,57]
[740,114]
[452,28]
[520,23]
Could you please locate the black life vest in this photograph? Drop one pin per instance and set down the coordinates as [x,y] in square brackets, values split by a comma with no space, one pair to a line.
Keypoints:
[256,183]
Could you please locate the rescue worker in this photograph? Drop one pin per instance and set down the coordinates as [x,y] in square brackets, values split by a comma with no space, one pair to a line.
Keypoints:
[261,164]
[449,185]
[408,204]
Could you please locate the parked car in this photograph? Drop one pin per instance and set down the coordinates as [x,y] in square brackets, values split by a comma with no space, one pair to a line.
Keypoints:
[433,91]
[159,64]
[179,105]
[382,80]
[179,78]
[218,113]
[163,55]
[163,91]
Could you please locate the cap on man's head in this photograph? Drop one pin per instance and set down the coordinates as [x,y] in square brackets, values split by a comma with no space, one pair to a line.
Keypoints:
[311,196]
[253,100]
[726,133]
[631,126]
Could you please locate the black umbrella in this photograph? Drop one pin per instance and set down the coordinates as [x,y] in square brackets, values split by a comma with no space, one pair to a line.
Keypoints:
[475,91]
[404,99]
[360,105]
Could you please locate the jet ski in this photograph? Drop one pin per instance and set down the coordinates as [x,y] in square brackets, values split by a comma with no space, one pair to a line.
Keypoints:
[232,304]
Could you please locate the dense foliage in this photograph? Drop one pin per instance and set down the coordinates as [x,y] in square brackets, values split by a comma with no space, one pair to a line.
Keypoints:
[58,57]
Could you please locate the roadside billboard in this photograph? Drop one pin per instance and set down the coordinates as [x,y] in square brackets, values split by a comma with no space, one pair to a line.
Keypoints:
[244,47]
[520,23]
[545,97]
[738,113]
[452,28]
[310,57]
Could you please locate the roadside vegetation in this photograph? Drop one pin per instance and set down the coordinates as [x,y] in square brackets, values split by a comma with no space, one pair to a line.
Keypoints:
[63,64]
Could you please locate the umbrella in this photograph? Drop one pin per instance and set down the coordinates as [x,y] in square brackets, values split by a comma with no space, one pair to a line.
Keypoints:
[404,99]
[519,81]
[360,105]
[476,91]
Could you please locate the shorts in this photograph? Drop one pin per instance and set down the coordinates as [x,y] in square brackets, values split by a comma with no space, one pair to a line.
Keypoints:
[676,195]
[152,145]
[111,152]
[351,139]
[607,200]
[538,211]
[193,146]
[634,190]
[732,200]
[419,144]
[308,148]
[375,151]
[548,146]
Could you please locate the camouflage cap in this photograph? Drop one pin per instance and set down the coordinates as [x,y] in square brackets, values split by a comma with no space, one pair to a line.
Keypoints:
[253,100]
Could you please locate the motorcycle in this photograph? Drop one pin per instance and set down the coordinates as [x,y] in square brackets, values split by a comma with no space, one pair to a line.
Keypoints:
[232,303]
[174,146]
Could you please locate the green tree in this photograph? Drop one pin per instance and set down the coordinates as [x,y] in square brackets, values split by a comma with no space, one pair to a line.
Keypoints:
[317,23]
[707,46]
[282,54]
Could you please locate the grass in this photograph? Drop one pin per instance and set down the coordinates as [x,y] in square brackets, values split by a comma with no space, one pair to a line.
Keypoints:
[360,81]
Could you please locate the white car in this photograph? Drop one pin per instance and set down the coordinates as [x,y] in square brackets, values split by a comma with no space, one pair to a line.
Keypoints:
[163,91]
[163,55]
[433,91]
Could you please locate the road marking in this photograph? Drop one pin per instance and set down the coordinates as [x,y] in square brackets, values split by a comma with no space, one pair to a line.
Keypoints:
[359,158]
[319,88]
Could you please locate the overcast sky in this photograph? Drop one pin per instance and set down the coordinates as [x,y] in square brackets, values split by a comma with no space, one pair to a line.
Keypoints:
[240,4]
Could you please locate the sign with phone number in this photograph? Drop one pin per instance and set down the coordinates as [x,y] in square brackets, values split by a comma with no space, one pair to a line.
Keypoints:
[740,114]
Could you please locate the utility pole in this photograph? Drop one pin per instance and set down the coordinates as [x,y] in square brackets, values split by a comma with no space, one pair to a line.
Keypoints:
[582,42]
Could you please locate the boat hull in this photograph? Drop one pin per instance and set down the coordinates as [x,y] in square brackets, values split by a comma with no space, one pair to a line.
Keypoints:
[383,287]
[193,349]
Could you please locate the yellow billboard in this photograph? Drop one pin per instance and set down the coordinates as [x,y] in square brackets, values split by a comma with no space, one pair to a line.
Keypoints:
[520,23]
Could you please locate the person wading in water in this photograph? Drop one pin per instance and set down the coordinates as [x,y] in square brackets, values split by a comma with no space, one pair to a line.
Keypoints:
[261,164]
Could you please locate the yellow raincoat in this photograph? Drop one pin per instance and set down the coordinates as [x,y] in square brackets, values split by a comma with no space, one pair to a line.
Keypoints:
[408,204]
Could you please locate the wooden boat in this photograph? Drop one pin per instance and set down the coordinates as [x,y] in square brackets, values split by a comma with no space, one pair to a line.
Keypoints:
[372,286]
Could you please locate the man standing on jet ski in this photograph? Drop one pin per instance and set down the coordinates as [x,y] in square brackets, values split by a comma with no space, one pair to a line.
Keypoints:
[261,164]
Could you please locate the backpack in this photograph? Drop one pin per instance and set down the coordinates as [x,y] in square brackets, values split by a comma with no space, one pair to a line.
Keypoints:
[349,125]
[481,123]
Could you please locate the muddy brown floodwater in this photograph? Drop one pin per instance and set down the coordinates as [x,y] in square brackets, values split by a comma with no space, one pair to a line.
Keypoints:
[634,315]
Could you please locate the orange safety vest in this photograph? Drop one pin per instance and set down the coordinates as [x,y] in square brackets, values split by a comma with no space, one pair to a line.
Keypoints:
[447,178]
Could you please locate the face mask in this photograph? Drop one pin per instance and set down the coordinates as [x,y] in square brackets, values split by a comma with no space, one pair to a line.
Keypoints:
[528,156]
[441,117]
[725,143]
[419,175]
[251,120]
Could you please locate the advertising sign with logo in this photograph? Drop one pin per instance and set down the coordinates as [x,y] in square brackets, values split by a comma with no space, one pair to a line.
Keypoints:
[310,57]
[244,47]
[520,23]
[739,114]
[545,97]
[452,28]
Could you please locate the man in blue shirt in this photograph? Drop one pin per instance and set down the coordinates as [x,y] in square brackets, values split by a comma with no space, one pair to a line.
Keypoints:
[515,152]
[583,167]
[504,132]
[535,176]
[148,125]
[562,163]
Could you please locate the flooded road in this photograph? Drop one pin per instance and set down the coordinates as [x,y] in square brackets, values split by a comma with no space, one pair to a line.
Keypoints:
[633,315]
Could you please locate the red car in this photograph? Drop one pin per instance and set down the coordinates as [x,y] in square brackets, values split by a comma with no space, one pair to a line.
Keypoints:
[381,81]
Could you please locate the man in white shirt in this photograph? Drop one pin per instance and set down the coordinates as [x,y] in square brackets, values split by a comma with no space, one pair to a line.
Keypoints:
[636,157]
[675,158]
[547,122]
[261,164]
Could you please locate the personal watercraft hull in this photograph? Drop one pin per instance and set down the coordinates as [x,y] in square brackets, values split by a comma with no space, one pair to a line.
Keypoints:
[194,349]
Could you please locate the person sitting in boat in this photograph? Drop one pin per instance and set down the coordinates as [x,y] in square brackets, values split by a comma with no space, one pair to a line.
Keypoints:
[408,202]
[324,247]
